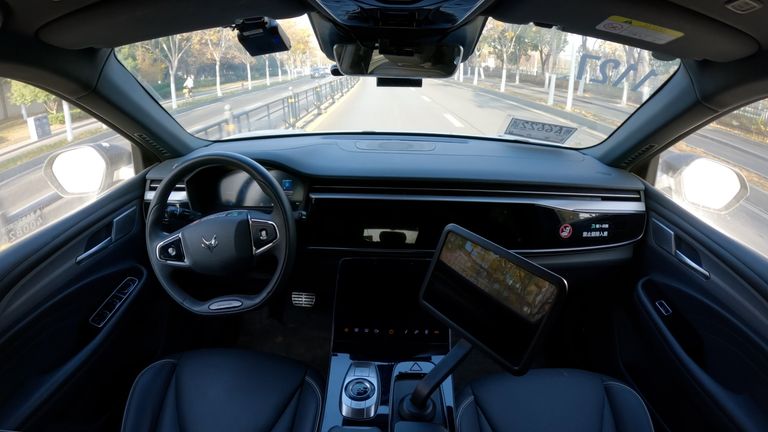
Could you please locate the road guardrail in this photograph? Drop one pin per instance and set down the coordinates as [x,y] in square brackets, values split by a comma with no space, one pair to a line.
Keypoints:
[283,113]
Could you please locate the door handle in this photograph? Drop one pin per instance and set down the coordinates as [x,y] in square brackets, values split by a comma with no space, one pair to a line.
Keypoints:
[120,227]
[94,250]
[692,264]
[667,240]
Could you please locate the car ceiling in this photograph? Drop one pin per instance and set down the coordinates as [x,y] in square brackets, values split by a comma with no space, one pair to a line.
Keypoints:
[711,31]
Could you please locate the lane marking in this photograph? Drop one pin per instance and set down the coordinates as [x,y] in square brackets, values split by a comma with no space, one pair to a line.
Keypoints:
[453,120]
[426,98]
[755,209]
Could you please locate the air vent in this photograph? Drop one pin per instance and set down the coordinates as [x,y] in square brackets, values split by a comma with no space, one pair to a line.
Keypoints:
[179,193]
[151,143]
[154,184]
[637,155]
[395,146]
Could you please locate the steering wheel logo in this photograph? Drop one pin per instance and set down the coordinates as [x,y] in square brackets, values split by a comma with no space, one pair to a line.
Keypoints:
[210,244]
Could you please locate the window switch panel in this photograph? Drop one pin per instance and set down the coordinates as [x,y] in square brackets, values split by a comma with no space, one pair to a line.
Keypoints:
[113,302]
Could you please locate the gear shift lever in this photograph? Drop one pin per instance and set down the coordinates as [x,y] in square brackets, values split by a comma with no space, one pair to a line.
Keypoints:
[418,405]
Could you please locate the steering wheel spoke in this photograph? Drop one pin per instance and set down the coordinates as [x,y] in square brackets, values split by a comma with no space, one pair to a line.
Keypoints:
[265,233]
[170,250]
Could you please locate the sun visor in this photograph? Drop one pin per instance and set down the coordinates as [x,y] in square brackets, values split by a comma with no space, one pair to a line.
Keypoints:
[112,24]
[656,26]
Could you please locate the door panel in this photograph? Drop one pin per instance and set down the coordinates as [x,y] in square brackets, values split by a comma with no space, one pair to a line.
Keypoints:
[78,318]
[697,341]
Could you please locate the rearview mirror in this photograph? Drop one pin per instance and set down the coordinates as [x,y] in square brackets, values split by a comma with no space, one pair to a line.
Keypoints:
[435,61]
[702,182]
[87,169]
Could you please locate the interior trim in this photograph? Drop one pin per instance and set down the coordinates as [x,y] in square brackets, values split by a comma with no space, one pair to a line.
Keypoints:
[616,194]
[577,205]
[431,252]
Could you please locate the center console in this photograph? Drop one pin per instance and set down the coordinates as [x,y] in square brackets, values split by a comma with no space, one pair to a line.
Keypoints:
[383,344]
[397,376]
[377,311]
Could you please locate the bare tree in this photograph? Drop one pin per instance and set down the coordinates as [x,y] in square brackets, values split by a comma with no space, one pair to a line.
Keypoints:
[279,66]
[169,49]
[633,58]
[266,67]
[247,60]
[500,38]
[548,44]
[301,37]
[217,41]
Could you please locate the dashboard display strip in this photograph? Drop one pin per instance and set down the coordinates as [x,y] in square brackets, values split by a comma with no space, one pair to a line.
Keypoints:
[575,205]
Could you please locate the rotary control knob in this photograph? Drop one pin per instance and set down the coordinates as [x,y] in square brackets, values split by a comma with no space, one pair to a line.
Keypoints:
[359,389]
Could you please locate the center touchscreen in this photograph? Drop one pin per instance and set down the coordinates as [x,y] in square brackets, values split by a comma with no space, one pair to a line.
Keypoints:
[495,298]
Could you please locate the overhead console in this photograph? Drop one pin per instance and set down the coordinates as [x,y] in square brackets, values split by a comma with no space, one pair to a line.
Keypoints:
[425,14]
[414,38]
[519,221]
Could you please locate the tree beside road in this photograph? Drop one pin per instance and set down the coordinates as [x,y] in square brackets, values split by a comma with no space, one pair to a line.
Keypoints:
[169,50]
[24,95]
[216,55]
[216,43]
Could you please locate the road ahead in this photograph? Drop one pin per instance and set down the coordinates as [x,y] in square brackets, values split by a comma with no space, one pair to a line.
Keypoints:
[440,106]
[446,107]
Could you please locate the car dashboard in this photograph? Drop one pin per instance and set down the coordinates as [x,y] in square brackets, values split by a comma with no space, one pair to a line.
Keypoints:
[356,194]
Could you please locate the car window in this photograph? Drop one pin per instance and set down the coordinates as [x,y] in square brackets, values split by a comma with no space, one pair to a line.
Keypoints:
[54,159]
[720,174]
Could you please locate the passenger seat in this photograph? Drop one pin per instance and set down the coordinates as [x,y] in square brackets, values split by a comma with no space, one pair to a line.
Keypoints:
[551,400]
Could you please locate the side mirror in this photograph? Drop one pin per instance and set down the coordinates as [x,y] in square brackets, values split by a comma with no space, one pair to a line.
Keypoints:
[87,169]
[704,183]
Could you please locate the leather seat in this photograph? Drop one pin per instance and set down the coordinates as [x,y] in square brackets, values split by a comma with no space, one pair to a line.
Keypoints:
[551,400]
[224,390]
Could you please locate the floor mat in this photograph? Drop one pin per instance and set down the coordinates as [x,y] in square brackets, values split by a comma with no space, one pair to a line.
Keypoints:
[298,333]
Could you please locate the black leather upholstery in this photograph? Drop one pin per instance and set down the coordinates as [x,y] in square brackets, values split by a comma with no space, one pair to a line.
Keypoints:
[224,390]
[551,400]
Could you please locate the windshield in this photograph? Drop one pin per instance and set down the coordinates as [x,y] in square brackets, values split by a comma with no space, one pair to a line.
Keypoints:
[522,82]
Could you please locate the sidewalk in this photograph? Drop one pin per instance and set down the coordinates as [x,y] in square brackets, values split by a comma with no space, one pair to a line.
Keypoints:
[592,98]
[205,94]
[529,99]
[609,108]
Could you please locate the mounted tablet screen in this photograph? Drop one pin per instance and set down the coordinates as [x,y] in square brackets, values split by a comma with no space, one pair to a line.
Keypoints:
[495,298]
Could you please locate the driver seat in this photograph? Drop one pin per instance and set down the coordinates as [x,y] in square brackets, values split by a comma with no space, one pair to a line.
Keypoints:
[224,390]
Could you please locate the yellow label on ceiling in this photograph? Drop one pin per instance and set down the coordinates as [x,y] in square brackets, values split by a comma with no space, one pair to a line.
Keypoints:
[635,29]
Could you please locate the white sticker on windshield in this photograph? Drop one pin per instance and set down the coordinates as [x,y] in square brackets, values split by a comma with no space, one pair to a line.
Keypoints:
[639,30]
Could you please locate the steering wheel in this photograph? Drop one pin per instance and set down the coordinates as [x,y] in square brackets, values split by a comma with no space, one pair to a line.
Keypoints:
[222,244]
